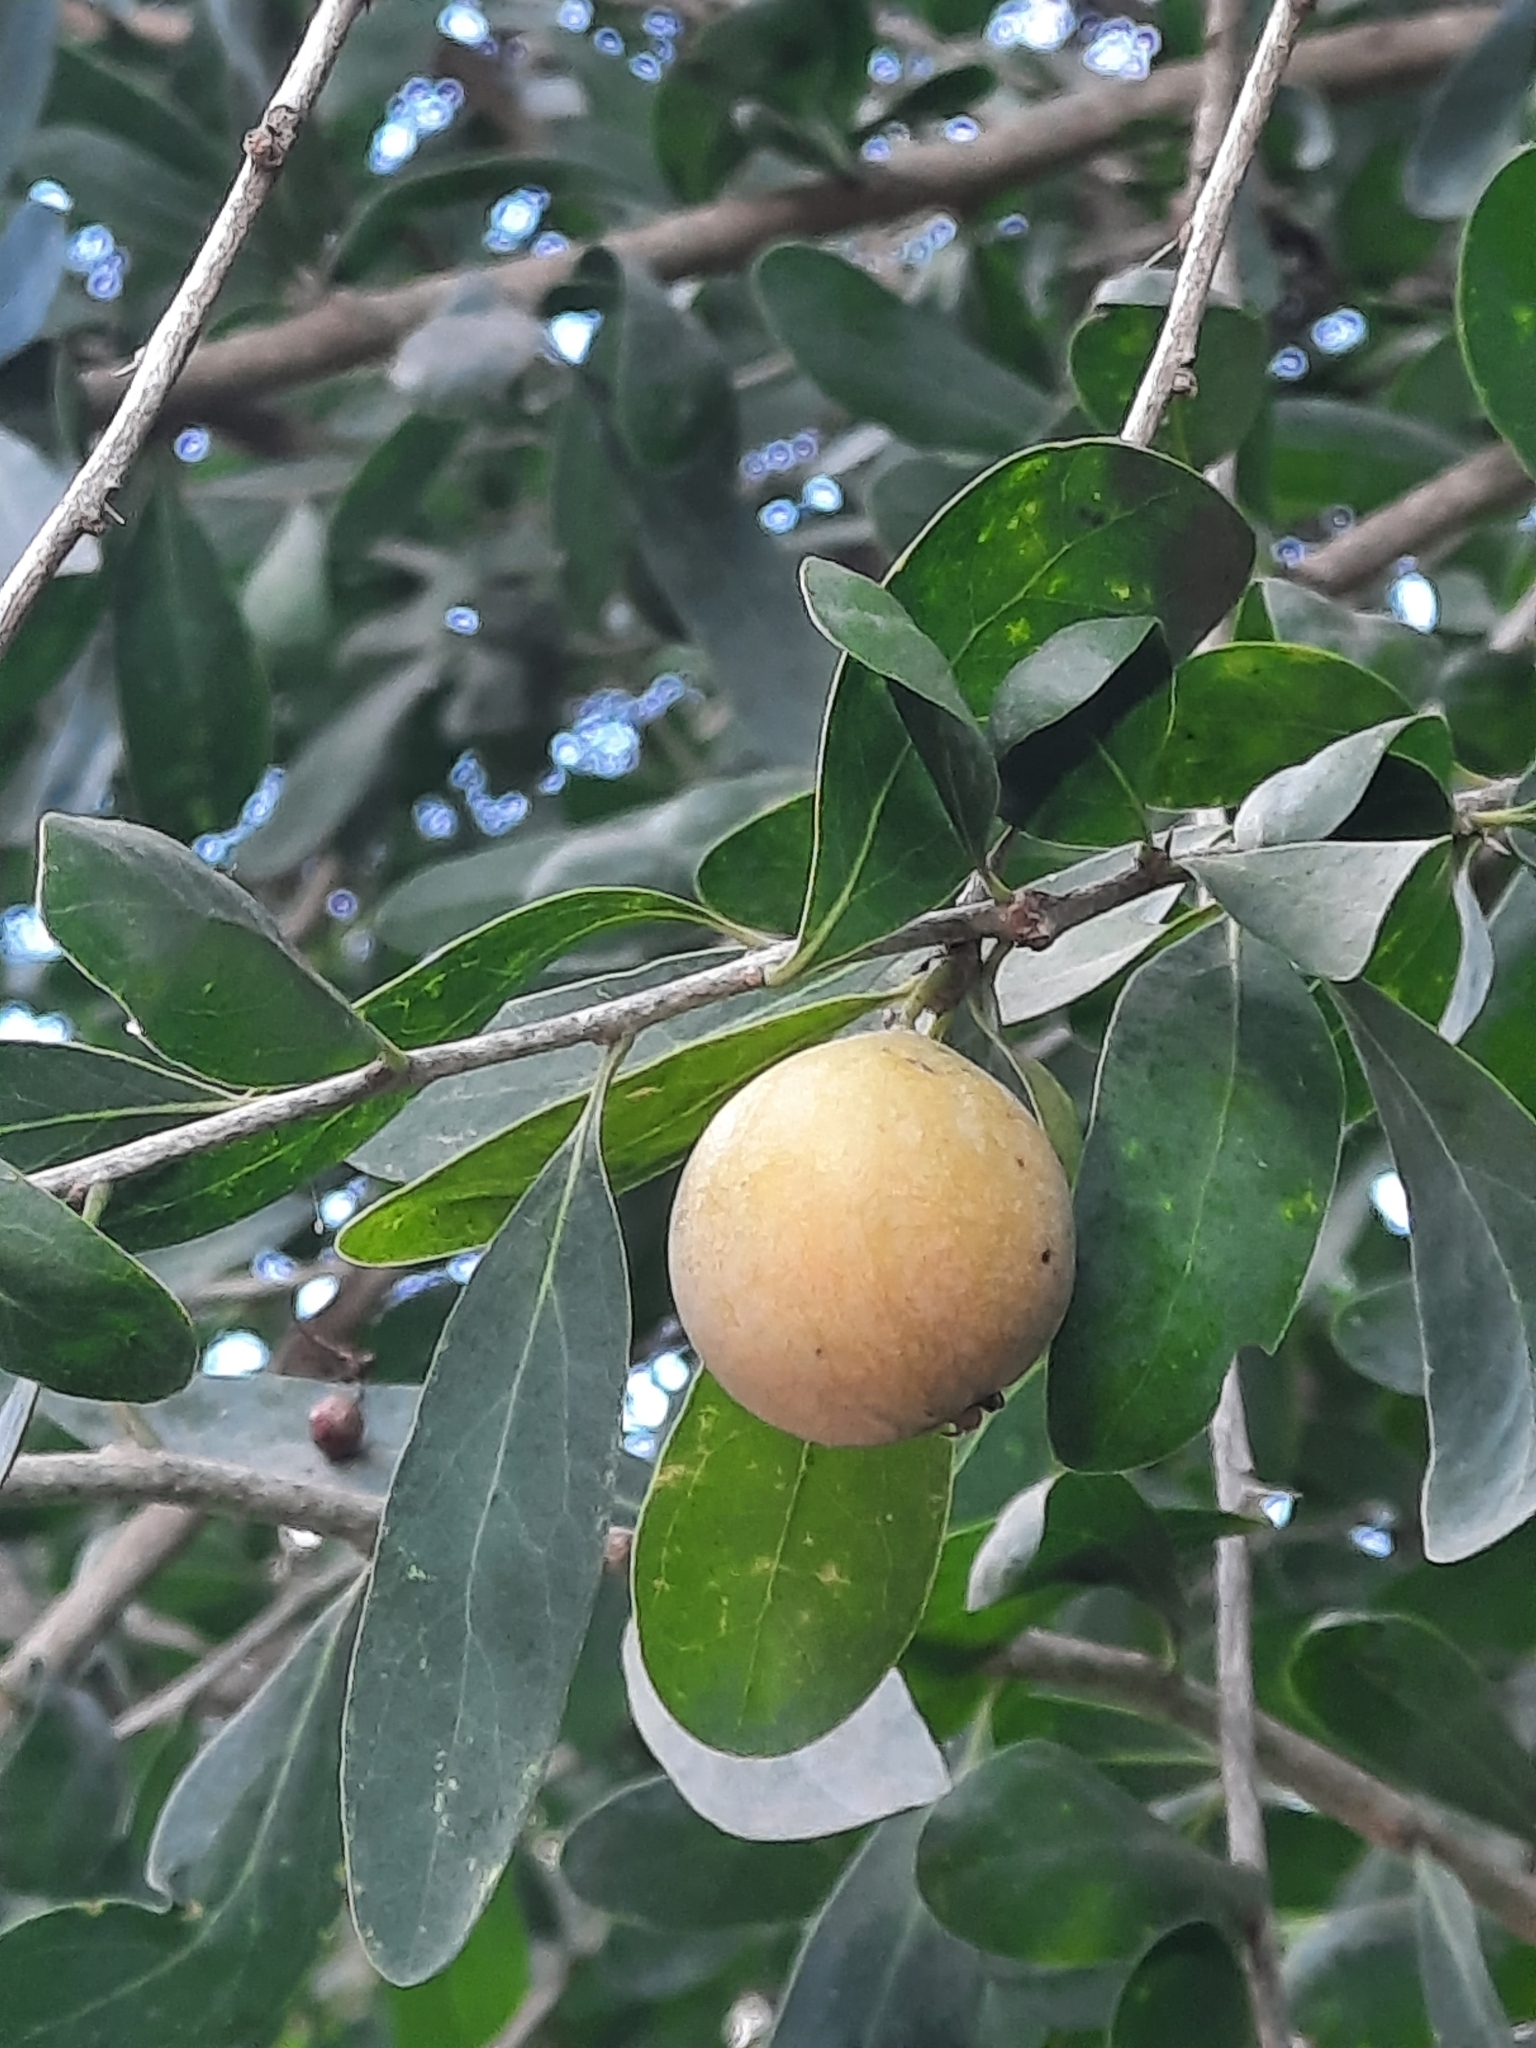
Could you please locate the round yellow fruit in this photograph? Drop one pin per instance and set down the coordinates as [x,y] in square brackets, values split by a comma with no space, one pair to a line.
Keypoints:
[869,1239]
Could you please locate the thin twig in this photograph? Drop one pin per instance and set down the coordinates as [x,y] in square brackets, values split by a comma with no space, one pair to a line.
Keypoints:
[85,504]
[350,327]
[1378,1813]
[1221,74]
[124,1473]
[1031,918]
[63,1636]
[1175,349]
[1490,481]
[1232,1464]
[173,1700]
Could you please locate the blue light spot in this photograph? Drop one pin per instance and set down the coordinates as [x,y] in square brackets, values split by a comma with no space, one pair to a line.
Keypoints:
[1288,551]
[1010,227]
[576,15]
[88,246]
[235,1355]
[50,193]
[571,335]
[192,444]
[612,749]
[609,41]
[410,1285]
[468,772]
[806,446]
[513,218]
[645,1404]
[1122,49]
[274,1269]
[1289,365]
[646,66]
[961,128]
[1339,518]
[497,815]
[552,783]
[433,818]
[25,939]
[671,1371]
[641,1443]
[20,1024]
[462,619]
[779,455]
[884,67]
[262,801]
[1277,1509]
[339,1206]
[341,905]
[1041,25]
[877,150]
[315,1295]
[754,465]
[213,847]
[393,143]
[565,750]
[461,1267]
[1389,1198]
[1371,1541]
[1412,599]
[822,494]
[435,112]
[1339,331]
[662,23]
[779,515]
[461,23]
[549,244]
[919,65]
[106,280]
[659,695]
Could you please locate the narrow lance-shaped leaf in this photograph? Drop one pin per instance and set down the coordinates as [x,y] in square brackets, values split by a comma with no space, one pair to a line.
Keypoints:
[196,962]
[1206,1173]
[1460,1995]
[59,1102]
[1466,1152]
[487,1567]
[247,1847]
[776,1582]
[78,1314]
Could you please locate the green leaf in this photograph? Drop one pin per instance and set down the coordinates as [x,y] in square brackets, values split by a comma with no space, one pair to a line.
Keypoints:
[880,359]
[374,228]
[776,1582]
[1402,766]
[652,1114]
[194,703]
[78,1314]
[1189,1987]
[876,1969]
[458,988]
[1323,906]
[51,640]
[756,877]
[60,1102]
[247,1847]
[1110,349]
[486,1569]
[199,965]
[1472,120]
[1404,1701]
[869,624]
[1466,1152]
[27,36]
[63,1792]
[1327,451]
[384,500]
[1501,1040]
[1036,1855]
[1208,1167]
[1080,1529]
[645,1855]
[1377,1332]
[1464,2006]
[1084,958]
[1496,304]
[468,2004]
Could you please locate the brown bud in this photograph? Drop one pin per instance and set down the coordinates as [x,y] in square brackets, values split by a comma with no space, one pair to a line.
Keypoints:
[336,1426]
[617,1545]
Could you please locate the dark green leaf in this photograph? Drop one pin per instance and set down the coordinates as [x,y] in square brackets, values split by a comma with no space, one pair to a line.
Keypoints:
[877,1970]
[1463,2005]
[645,1855]
[384,498]
[756,876]
[49,643]
[63,1797]
[374,228]
[1187,1988]
[1496,304]
[194,703]
[1038,1856]
[1502,1040]
[196,962]
[1080,1529]
[1313,799]
[60,1102]
[1404,1701]
[1323,905]
[936,98]
[247,1847]
[1111,348]
[1352,1978]
[90,91]
[670,386]
[652,1115]
[486,1570]
[1207,1170]
[78,1314]
[1472,120]
[1466,1152]
[776,1582]
[1327,451]
[468,2004]
[1377,1332]
[906,366]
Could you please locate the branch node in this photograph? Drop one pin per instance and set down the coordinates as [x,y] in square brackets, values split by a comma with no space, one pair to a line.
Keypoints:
[268,144]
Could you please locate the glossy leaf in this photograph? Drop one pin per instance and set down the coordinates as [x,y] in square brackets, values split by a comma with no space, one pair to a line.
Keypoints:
[1313,799]
[31,267]
[776,1582]
[1472,120]
[60,1102]
[1036,1855]
[1079,1529]
[756,876]
[644,1854]
[1464,2007]
[1330,451]
[1323,905]
[881,1760]
[876,1969]
[1404,1701]
[468,2004]
[247,1847]
[1110,350]
[879,358]
[194,703]
[1188,1987]
[653,1113]
[486,1570]
[196,962]
[1496,304]
[51,640]
[78,1314]
[1466,1153]
[1084,958]
[1207,1170]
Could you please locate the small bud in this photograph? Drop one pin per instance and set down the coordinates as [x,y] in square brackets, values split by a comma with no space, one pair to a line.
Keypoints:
[336,1426]
[617,1545]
